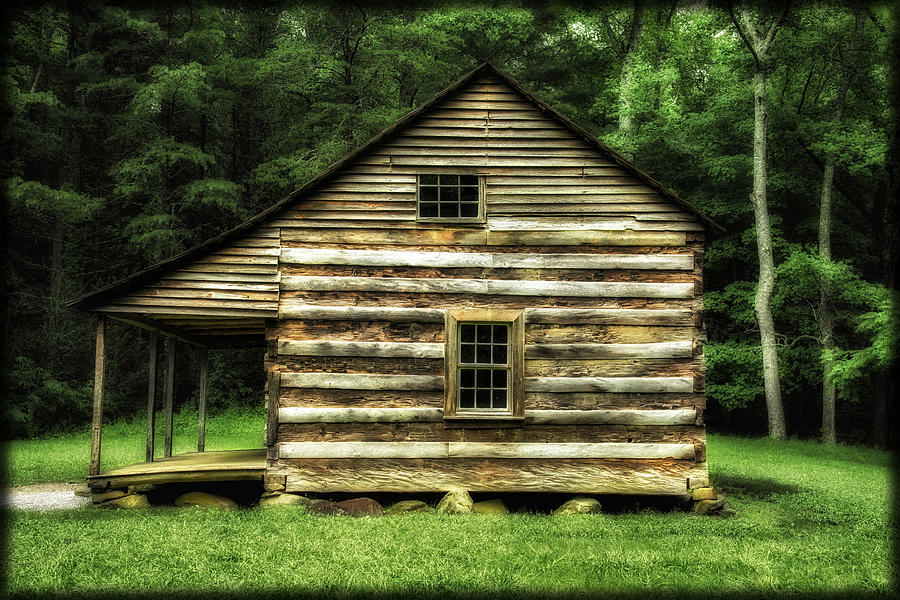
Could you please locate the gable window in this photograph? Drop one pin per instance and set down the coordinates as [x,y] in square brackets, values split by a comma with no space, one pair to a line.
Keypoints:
[454,198]
[484,356]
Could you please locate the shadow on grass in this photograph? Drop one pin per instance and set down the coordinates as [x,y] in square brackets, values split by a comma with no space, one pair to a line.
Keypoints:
[757,488]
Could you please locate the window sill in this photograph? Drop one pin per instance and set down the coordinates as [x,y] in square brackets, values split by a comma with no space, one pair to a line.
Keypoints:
[483,420]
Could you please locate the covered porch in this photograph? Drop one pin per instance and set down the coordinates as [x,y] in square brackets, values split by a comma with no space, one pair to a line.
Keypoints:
[191,467]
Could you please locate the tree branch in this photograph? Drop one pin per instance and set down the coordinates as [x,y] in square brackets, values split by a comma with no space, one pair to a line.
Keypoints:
[744,34]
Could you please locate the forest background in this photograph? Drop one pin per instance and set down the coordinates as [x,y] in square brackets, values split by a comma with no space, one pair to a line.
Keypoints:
[131,133]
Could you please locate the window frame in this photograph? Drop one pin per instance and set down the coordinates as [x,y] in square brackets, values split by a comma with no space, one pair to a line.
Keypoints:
[515,359]
[480,218]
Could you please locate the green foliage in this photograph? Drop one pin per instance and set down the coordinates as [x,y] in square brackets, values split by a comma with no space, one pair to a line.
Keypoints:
[43,402]
[734,373]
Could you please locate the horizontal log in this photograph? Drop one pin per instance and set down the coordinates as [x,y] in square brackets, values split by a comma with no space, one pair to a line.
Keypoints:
[389,258]
[176,310]
[360,381]
[489,287]
[376,349]
[613,367]
[608,316]
[586,223]
[638,385]
[521,450]
[290,310]
[306,231]
[581,333]
[582,351]
[536,417]
[587,476]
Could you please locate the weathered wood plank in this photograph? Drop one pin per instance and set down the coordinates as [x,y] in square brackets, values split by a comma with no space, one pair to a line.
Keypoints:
[169,394]
[362,381]
[682,349]
[151,395]
[201,408]
[608,316]
[606,367]
[581,333]
[640,385]
[536,417]
[489,287]
[481,237]
[586,476]
[516,450]
[359,415]
[99,388]
[586,223]
[390,258]
[273,392]
[291,310]
[377,349]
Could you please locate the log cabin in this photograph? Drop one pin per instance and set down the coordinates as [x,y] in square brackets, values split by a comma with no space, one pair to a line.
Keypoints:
[484,295]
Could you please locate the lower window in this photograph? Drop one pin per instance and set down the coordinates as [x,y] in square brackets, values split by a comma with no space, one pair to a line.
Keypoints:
[484,355]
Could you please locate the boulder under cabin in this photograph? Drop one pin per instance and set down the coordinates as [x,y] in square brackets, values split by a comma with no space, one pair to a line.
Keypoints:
[482,296]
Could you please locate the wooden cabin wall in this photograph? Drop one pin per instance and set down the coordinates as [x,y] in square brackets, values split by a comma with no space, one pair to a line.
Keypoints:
[594,238]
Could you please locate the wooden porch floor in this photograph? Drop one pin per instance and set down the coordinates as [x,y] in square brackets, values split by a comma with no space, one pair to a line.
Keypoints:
[226,465]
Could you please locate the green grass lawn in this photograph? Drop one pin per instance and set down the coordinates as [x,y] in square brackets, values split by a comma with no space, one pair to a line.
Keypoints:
[811,520]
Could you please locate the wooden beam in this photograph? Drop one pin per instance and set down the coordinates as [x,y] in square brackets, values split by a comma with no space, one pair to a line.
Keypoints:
[392,258]
[170,394]
[584,476]
[273,393]
[492,287]
[154,325]
[345,381]
[351,450]
[623,385]
[587,351]
[609,316]
[151,395]
[297,414]
[201,409]
[312,312]
[99,382]
[373,349]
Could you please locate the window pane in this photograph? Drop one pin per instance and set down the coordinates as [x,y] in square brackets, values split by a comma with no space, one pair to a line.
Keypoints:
[468,180]
[467,333]
[484,354]
[449,179]
[467,378]
[483,378]
[428,179]
[428,194]
[499,355]
[484,334]
[500,334]
[483,399]
[499,399]
[449,210]
[468,210]
[468,194]
[449,194]
[467,398]
[428,209]
[499,378]
[467,353]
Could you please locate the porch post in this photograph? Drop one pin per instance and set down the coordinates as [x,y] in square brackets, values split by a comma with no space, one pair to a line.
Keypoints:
[204,376]
[151,395]
[99,376]
[170,392]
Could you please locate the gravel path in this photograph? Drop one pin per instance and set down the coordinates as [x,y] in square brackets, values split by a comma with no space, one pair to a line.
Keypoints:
[44,496]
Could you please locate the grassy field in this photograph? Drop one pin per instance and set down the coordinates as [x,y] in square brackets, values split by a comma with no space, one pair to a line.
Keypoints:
[812,520]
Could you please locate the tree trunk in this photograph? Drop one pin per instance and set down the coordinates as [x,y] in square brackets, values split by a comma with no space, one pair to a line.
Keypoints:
[626,87]
[766,285]
[826,329]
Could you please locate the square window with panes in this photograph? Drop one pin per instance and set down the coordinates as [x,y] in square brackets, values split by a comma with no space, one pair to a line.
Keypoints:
[449,198]
[484,373]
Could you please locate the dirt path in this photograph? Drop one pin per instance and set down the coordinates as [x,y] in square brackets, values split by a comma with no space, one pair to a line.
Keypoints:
[43,496]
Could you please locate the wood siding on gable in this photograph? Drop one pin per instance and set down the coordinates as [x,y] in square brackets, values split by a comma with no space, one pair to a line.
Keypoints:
[606,270]
[229,291]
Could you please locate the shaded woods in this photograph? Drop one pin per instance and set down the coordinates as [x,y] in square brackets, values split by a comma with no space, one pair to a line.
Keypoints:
[131,134]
